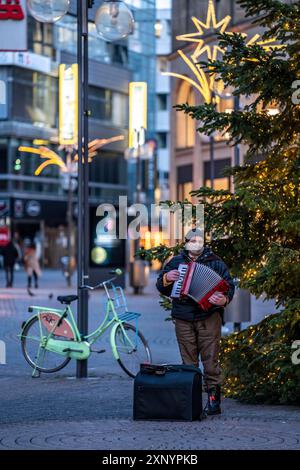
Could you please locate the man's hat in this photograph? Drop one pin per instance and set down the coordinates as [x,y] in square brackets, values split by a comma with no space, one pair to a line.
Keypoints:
[195,232]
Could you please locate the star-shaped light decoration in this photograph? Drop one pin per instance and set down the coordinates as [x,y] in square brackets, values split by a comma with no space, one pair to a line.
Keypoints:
[211,25]
[202,82]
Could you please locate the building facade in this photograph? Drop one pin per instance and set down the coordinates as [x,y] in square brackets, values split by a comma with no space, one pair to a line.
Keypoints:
[34,207]
[163,32]
[194,156]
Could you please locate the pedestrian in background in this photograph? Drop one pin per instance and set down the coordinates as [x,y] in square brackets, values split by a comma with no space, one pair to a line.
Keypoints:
[10,256]
[32,265]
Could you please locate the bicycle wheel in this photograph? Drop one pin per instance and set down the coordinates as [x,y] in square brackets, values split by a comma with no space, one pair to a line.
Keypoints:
[36,356]
[130,357]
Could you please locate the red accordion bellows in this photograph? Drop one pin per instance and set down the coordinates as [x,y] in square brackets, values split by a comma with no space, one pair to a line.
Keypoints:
[198,282]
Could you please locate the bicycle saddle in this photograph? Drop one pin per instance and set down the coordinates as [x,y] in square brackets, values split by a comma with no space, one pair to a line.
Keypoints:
[67,299]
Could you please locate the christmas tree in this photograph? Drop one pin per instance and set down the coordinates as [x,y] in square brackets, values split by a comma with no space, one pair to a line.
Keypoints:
[256,227]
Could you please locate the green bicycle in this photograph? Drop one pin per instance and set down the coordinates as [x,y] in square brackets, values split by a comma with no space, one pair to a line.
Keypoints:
[50,338]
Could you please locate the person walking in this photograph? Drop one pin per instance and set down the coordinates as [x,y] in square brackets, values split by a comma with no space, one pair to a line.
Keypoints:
[32,265]
[10,256]
[198,332]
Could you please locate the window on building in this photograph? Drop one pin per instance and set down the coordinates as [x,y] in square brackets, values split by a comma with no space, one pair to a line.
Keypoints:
[40,38]
[163,64]
[162,102]
[184,190]
[100,103]
[108,167]
[220,181]
[162,140]
[184,182]
[185,125]
[120,109]
[35,97]
[107,105]
[3,162]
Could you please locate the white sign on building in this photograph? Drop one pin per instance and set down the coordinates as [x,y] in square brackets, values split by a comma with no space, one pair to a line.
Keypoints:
[13,25]
[28,60]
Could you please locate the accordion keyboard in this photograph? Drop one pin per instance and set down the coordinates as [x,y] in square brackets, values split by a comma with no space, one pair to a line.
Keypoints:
[177,286]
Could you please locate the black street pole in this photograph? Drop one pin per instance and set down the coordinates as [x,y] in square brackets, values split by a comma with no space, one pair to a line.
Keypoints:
[83,177]
[212,150]
[237,325]
[70,221]
[212,160]
[237,147]
[136,289]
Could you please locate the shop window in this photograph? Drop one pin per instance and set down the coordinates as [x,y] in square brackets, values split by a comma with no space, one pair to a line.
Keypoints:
[185,125]
[220,181]
[184,190]
[3,163]
[184,182]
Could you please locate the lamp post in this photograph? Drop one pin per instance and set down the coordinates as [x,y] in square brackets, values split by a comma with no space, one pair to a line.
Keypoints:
[212,148]
[236,147]
[114,21]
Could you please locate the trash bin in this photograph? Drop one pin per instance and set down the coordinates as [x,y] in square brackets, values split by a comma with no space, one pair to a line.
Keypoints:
[239,309]
[138,274]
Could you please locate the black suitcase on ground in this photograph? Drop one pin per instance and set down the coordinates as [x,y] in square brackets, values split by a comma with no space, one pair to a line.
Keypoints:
[168,392]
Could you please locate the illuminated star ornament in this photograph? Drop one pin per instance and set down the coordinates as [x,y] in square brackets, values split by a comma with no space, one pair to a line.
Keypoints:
[201,81]
[211,25]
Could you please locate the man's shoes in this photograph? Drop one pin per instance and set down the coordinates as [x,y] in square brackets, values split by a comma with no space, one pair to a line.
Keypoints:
[213,406]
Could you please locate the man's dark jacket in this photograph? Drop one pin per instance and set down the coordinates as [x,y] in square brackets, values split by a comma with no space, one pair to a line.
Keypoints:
[186,308]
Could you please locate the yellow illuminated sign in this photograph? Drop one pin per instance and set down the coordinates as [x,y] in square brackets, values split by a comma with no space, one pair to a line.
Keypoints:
[68,104]
[138,103]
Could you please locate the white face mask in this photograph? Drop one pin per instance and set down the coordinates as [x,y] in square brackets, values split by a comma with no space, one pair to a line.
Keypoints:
[194,247]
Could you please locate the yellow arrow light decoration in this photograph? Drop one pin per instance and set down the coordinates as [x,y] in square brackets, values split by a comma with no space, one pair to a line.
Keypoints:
[52,158]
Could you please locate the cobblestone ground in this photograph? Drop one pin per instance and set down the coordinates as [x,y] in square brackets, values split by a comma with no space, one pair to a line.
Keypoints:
[60,412]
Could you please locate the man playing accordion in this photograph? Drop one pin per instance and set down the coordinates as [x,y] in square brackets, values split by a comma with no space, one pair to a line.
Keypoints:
[198,330]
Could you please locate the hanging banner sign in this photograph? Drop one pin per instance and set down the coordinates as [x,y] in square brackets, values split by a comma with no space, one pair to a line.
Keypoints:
[68,104]
[137,111]
[13,25]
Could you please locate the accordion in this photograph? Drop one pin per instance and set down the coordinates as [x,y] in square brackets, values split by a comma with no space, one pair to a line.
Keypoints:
[198,282]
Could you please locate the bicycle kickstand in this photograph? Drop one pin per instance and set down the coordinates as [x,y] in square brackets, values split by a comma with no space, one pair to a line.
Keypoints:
[36,374]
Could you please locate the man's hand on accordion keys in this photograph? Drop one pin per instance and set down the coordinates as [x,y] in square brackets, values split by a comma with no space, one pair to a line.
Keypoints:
[218,299]
[173,275]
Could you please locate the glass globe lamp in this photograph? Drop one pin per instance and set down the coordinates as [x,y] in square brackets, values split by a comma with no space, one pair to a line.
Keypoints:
[48,11]
[114,21]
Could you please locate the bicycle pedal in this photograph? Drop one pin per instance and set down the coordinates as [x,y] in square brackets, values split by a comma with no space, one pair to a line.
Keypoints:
[98,351]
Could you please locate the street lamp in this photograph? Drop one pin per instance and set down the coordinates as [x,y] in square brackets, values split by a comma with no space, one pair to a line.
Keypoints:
[114,21]
[50,11]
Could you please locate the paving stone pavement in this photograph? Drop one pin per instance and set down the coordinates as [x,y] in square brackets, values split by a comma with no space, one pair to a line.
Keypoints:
[60,412]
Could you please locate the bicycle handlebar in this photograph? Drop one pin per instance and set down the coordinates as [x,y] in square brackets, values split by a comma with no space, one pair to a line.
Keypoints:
[118,272]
